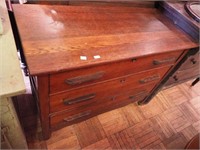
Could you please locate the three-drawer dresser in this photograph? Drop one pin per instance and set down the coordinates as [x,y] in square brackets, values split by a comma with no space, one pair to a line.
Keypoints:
[86,60]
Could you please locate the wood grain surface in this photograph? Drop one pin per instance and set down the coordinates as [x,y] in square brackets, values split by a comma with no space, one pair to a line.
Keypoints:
[55,37]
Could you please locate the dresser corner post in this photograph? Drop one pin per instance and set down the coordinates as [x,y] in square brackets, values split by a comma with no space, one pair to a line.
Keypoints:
[43,93]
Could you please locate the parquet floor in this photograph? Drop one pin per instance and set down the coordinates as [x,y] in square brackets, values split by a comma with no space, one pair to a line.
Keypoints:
[169,121]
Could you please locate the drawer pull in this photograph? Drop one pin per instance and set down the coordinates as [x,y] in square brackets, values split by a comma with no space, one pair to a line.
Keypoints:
[167,60]
[134,60]
[138,95]
[193,61]
[85,78]
[79,99]
[77,116]
[175,78]
[149,79]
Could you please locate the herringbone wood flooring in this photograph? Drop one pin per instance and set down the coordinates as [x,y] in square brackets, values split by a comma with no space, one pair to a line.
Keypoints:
[169,121]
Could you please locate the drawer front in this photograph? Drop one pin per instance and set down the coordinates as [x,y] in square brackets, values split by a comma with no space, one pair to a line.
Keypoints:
[191,62]
[181,76]
[86,111]
[81,77]
[90,94]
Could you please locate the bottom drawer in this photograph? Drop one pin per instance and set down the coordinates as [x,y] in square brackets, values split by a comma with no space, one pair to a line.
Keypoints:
[60,119]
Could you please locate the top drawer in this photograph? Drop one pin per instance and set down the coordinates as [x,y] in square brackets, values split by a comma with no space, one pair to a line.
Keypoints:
[86,76]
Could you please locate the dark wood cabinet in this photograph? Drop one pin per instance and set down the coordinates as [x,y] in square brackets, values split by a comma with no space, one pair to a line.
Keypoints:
[188,69]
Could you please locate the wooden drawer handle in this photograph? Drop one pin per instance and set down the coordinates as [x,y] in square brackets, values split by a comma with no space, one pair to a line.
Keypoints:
[77,116]
[167,60]
[85,78]
[175,78]
[149,79]
[79,99]
[139,94]
[193,61]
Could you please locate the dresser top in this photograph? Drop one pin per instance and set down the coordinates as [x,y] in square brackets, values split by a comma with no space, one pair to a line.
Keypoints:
[58,38]
[11,79]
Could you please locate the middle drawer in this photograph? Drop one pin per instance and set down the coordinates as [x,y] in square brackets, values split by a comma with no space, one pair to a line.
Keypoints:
[89,94]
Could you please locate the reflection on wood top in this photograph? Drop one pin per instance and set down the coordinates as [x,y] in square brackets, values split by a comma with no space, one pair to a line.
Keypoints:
[54,37]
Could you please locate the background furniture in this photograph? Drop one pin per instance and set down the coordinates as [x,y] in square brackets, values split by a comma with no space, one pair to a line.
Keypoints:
[188,68]
[11,84]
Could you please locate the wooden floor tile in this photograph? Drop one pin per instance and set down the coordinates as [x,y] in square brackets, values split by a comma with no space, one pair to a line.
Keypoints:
[144,134]
[190,113]
[164,101]
[155,145]
[152,108]
[177,118]
[89,132]
[189,132]
[133,114]
[195,88]
[113,121]
[122,140]
[175,95]
[196,125]
[177,141]
[159,146]
[162,126]
[103,144]
[188,91]
[63,139]
[196,103]
[67,143]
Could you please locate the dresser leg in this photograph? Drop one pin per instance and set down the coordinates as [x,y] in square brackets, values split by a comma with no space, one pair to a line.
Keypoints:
[43,95]
[195,81]
[143,102]
[46,133]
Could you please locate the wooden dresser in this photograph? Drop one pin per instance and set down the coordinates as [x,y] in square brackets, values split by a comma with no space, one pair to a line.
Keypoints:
[86,60]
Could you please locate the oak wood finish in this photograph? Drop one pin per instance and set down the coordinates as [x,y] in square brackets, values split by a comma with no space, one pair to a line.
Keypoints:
[128,3]
[43,88]
[92,33]
[101,53]
[83,111]
[111,70]
[109,90]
